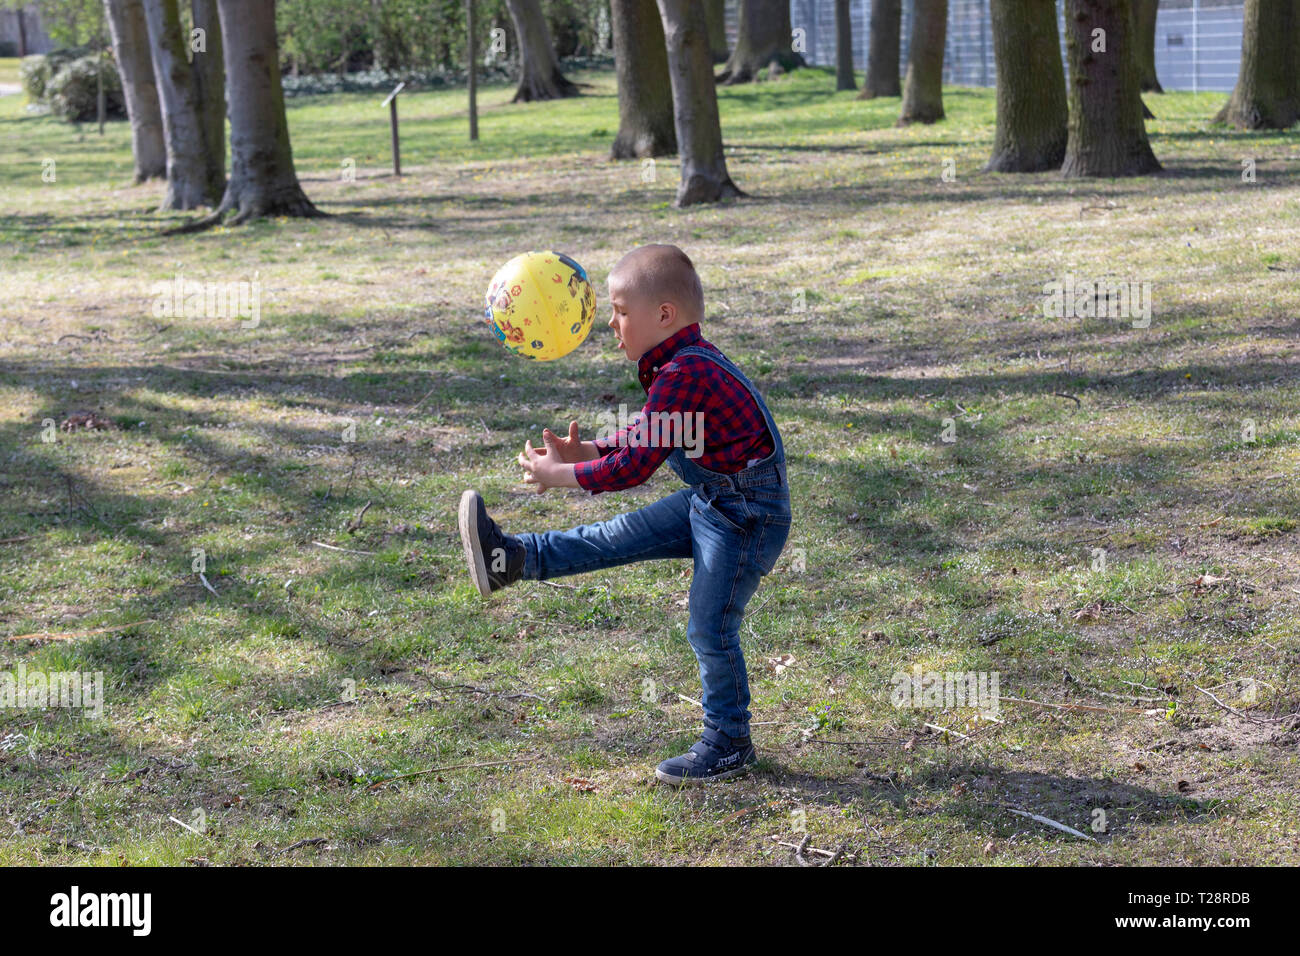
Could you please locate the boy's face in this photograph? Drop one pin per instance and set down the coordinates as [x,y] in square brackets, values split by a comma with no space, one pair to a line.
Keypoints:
[639,323]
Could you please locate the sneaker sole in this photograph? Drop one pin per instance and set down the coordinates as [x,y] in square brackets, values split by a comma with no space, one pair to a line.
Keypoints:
[470,542]
[701,781]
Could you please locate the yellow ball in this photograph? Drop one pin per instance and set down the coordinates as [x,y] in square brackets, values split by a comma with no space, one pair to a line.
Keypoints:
[540,305]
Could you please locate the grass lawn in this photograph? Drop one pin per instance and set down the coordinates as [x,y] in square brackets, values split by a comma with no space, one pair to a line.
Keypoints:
[1104,531]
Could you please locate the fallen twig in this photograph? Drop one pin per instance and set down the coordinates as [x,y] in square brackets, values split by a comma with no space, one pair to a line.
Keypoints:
[204,578]
[182,823]
[802,847]
[457,766]
[1231,710]
[1070,397]
[355,523]
[946,731]
[331,547]
[483,690]
[1051,823]
[310,841]
[68,635]
[1085,707]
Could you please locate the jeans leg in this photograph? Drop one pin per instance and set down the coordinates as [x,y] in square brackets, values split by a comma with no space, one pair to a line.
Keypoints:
[660,530]
[727,574]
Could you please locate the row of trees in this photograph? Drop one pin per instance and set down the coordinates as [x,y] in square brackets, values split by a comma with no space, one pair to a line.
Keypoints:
[179,87]
[1093,127]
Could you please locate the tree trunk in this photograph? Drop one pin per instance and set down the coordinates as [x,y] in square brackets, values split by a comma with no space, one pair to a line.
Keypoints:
[1144,23]
[262,178]
[1107,135]
[1033,122]
[923,88]
[645,94]
[1267,94]
[883,50]
[210,85]
[130,35]
[844,47]
[189,184]
[539,71]
[715,12]
[695,104]
[22,32]
[763,38]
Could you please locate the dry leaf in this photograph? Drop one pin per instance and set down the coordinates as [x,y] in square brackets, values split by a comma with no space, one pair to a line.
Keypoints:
[780,664]
[1090,613]
[580,784]
[1184,786]
[1139,766]
[1208,581]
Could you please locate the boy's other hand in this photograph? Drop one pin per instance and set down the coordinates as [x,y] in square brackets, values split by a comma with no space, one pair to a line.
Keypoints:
[570,450]
[545,467]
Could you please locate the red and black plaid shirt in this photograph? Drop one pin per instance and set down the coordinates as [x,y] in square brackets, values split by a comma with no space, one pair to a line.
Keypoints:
[735,433]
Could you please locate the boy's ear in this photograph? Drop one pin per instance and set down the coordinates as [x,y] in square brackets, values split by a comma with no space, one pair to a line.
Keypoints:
[667,314]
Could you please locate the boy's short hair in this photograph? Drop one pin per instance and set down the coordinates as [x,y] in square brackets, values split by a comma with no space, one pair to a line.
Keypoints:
[662,272]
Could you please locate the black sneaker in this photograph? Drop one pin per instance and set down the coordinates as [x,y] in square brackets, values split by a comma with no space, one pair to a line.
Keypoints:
[715,757]
[495,558]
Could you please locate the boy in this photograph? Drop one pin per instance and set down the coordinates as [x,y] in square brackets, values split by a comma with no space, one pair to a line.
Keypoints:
[733,519]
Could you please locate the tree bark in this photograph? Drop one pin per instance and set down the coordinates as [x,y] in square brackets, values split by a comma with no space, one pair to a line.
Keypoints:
[695,105]
[262,178]
[130,36]
[1107,134]
[923,88]
[1033,122]
[1267,94]
[883,50]
[539,70]
[645,93]
[210,85]
[22,32]
[763,38]
[1144,23]
[715,12]
[844,79]
[189,180]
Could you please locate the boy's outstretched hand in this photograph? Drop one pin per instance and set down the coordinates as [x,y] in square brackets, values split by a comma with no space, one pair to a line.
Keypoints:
[551,466]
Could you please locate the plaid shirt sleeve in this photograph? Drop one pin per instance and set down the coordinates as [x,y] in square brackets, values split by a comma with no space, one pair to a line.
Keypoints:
[633,461]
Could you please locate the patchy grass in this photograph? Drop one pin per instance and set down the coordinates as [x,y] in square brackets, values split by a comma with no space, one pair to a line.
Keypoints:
[1096,472]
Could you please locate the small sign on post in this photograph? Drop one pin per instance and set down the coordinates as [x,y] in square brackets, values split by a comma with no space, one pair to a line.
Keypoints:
[391,103]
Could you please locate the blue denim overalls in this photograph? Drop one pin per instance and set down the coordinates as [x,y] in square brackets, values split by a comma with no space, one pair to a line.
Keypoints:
[733,526]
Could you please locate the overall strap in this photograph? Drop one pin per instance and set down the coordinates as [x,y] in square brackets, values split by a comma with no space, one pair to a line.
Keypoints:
[763,472]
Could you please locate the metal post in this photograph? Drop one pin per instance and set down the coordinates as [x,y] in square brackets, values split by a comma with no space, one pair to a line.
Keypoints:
[984,53]
[1196,45]
[391,103]
[472,81]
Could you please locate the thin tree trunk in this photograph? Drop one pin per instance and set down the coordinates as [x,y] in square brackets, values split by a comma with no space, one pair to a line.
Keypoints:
[695,104]
[1267,94]
[130,35]
[210,85]
[844,79]
[883,50]
[715,12]
[22,32]
[763,39]
[645,93]
[1107,134]
[539,71]
[1033,122]
[188,182]
[1144,22]
[923,88]
[262,178]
